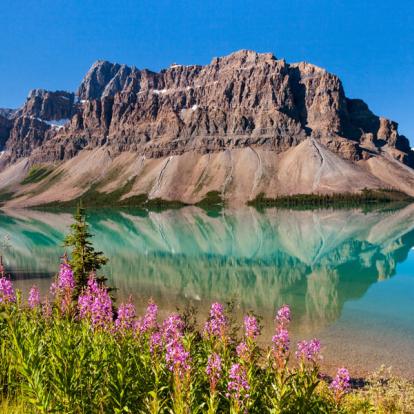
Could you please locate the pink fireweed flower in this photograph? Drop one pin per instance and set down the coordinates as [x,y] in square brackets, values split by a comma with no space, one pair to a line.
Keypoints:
[7,294]
[149,322]
[85,301]
[173,328]
[126,315]
[216,326]
[63,287]
[34,297]
[251,327]
[280,345]
[283,316]
[309,350]
[92,284]
[341,383]
[243,351]
[155,342]
[177,358]
[238,386]
[95,304]
[65,280]
[213,370]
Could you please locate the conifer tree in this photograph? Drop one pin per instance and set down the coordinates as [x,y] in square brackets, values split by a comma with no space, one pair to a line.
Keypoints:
[83,259]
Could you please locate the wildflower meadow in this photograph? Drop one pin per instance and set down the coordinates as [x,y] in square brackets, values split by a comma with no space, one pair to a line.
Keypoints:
[68,354]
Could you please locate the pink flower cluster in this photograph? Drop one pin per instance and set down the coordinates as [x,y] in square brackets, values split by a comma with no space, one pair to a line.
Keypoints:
[173,328]
[156,342]
[281,341]
[125,319]
[213,370]
[95,304]
[177,358]
[251,327]
[216,326]
[34,297]
[149,322]
[243,351]
[149,325]
[238,387]
[308,350]
[63,287]
[65,280]
[341,383]
[7,294]
[283,316]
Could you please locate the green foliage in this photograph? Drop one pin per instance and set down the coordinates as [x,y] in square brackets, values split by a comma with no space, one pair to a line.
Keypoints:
[5,196]
[61,365]
[213,203]
[83,258]
[366,197]
[36,174]
[95,198]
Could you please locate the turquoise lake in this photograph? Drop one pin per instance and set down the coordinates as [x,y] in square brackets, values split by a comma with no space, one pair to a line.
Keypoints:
[348,275]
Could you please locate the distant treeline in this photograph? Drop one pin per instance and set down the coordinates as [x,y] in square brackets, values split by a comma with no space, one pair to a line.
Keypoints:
[365,197]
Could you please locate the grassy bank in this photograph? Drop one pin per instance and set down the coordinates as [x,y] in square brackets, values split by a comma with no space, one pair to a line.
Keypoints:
[36,174]
[93,198]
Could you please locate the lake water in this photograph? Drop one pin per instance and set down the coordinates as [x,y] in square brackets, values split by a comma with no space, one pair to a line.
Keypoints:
[348,275]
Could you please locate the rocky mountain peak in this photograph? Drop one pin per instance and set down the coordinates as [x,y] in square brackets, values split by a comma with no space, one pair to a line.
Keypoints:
[244,57]
[104,79]
[42,115]
[48,105]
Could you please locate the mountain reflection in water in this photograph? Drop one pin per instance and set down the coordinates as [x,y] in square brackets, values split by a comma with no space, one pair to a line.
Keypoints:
[316,261]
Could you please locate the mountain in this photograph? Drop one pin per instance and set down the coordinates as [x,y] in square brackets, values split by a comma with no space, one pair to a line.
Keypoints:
[246,124]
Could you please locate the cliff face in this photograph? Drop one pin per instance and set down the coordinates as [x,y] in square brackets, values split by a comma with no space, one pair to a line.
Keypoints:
[245,99]
[40,118]
[242,101]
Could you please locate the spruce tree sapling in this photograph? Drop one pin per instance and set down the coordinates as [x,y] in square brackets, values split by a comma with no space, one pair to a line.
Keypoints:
[83,258]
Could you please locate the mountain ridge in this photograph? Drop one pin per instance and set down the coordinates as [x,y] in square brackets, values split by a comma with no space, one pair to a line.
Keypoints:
[245,108]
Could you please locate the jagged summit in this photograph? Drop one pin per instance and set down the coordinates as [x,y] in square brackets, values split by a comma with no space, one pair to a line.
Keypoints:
[103,79]
[245,56]
[278,117]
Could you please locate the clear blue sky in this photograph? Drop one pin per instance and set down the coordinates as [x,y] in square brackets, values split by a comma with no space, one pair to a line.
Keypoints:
[369,44]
